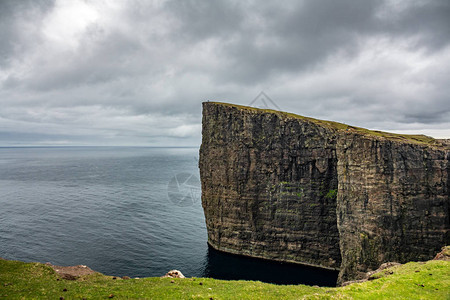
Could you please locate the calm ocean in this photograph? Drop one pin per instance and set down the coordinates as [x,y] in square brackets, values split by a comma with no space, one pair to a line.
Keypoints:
[132,211]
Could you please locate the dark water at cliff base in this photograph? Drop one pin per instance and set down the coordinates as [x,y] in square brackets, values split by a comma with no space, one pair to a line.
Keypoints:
[116,210]
[231,267]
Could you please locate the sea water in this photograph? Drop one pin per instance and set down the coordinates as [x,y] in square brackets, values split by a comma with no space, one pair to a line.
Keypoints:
[132,211]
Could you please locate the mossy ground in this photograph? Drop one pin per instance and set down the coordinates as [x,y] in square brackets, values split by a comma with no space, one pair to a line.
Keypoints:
[18,280]
[409,138]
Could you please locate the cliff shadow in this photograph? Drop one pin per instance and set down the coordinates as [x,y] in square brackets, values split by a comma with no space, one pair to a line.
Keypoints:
[221,265]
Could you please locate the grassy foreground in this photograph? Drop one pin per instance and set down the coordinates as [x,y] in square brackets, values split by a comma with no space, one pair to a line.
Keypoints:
[414,280]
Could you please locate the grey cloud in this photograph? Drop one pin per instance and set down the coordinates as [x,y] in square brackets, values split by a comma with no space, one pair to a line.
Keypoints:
[206,19]
[350,61]
[429,20]
[300,38]
[14,36]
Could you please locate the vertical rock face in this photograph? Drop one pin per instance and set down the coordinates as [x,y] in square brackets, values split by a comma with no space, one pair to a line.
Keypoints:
[393,202]
[288,188]
[269,186]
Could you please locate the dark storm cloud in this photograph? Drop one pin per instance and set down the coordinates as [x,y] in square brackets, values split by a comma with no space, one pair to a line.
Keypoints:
[114,68]
[303,35]
[299,37]
[430,20]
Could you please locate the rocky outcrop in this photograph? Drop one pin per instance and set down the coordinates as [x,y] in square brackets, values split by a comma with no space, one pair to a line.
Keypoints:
[368,275]
[173,274]
[284,187]
[444,254]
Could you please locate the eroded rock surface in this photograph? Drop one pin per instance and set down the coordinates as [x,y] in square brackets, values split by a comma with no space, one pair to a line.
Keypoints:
[289,188]
[393,202]
[444,254]
[173,274]
[269,186]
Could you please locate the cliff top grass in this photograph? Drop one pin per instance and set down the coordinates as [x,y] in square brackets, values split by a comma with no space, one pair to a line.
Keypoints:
[408,138]
[19,280]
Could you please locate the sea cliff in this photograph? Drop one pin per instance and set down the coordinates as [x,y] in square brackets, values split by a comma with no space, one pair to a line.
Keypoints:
[285,187]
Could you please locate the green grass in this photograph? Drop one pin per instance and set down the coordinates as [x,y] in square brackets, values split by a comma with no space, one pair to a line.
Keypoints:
[331,194]
[410,138]
[20,280]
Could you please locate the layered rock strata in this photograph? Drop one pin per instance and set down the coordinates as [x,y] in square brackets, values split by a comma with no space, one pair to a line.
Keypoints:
[289,188]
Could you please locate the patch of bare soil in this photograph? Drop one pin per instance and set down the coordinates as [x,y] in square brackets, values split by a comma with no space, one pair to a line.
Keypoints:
[72,272]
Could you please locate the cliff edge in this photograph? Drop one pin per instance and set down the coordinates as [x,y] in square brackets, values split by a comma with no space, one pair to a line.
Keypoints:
[284,187]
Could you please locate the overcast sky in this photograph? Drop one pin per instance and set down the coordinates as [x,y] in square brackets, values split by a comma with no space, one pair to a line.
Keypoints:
[136,72]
